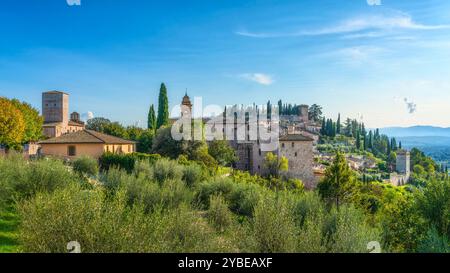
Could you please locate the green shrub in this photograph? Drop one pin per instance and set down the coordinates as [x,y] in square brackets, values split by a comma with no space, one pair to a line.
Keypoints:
[348,231]
[99,224]
[218,214]
[434,243]
[114,178]
[242,197]
[308,205]
[165,169]
[273,226]
[143,169]
[217,186]
[20,178]
[125,161]
[85,166]
[192,174]
[310,237]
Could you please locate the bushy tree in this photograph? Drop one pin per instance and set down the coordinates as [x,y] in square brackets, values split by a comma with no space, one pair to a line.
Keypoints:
[339,182]
[315,112]
[97,124]
[12,124]
[275,165]
[222,152]
[33,121]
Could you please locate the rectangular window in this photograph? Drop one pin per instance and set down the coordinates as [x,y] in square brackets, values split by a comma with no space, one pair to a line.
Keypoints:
[71,151]
[293,144]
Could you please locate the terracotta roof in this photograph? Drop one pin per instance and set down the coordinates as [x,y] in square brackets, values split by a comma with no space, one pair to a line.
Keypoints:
[295,137]
[75,123]
[87,136]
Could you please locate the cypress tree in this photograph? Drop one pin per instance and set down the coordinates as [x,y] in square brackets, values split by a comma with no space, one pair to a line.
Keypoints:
[358,140]
[151,121]
[338,125]
[163,107]
[323,129]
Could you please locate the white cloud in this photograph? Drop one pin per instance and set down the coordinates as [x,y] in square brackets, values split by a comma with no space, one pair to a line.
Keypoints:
[260,78]
[87,116]
[354,25]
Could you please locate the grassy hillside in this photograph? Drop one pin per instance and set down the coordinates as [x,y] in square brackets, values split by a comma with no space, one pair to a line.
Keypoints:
[9,222]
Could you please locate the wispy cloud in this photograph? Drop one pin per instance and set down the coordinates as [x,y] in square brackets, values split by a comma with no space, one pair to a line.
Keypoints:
[411,106]
[356,55]
[354,25]
[260,78]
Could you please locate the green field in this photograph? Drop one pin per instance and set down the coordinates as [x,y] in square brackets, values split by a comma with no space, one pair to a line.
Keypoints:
[8,231]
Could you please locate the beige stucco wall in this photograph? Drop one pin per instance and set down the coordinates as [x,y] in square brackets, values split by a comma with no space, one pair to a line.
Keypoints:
[61,150]
[92,150]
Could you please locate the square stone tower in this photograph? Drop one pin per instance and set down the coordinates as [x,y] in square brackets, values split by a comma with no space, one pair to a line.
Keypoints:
[55,107]
[403,162]
[304,109]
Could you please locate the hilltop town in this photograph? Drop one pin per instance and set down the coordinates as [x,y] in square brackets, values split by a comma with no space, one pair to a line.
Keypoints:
[300,142]
[224,177]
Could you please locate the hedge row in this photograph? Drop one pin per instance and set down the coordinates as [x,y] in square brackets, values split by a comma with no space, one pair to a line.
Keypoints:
[125,161]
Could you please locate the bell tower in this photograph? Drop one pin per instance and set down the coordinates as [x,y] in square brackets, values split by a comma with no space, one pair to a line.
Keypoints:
[186,106]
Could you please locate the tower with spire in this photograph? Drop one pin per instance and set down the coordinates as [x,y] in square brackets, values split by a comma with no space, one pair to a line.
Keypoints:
[186,106]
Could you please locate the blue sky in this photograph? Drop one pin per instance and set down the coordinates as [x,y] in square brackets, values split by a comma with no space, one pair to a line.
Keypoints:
[365,61]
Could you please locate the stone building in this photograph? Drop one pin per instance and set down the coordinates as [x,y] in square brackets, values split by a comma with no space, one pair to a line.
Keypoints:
[55,110]
[295,144]
[403,169]
[85,143]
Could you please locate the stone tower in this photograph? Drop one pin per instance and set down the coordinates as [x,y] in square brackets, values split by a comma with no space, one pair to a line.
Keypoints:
[186,106]
[403,165]
[75,117]
[55,107]
[304,109]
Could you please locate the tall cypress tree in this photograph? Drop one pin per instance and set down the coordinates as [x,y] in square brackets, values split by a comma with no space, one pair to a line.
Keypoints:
[163,107]
[358,140]
[338,125]
[151,121]
[323,130]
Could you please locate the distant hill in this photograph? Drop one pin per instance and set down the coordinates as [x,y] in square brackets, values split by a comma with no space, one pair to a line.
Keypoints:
[434,141]
[416,131]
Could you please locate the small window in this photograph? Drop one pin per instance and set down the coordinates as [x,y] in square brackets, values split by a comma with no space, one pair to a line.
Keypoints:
[293,144]
[71,151]
[259,152]
[282,145]
[296,154]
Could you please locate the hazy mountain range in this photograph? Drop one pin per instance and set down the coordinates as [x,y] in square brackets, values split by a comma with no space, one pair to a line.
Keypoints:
[434,141]
[416,131]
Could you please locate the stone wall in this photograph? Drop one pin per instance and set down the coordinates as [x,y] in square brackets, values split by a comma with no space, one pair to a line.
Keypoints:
[301,159]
